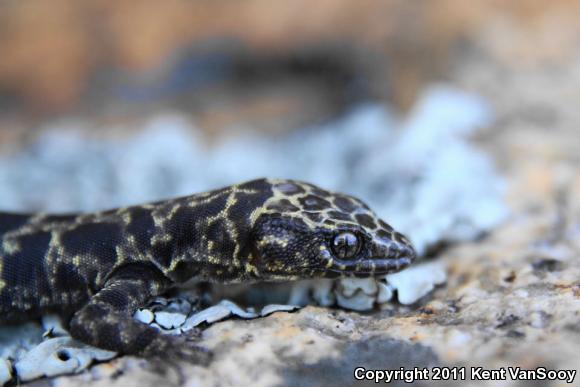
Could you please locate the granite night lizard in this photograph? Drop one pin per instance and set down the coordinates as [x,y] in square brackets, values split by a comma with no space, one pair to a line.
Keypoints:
[96,269]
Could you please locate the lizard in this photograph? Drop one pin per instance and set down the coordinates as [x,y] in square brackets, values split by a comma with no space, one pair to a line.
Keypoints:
[96,269]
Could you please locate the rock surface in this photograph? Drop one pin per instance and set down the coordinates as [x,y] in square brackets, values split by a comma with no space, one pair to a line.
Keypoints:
[512,298]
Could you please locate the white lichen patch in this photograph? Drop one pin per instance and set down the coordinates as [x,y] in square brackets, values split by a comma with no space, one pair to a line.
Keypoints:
[363,294]
[318,291]
[34,354]
[358,301]
[144,315]
[417,281]
[385,293]
[58,356]
[273,308]
[350,286]
[169,320]
[177,323]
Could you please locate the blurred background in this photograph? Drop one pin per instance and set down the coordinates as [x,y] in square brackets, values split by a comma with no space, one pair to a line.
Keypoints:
[262,64]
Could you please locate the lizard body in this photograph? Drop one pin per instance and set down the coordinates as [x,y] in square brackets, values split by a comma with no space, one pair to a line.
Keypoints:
[97,269]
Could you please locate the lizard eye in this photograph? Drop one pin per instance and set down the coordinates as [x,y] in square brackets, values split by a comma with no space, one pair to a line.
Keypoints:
[345,245]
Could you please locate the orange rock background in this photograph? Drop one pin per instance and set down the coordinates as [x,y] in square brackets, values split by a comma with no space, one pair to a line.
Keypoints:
[52,51]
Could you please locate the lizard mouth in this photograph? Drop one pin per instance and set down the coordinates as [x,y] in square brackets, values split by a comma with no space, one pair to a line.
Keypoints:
[370,267]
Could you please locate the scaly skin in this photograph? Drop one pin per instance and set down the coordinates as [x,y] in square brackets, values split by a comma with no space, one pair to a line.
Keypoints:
[97,269]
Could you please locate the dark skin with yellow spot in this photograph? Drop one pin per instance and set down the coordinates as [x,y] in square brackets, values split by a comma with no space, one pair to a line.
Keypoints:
[97,269]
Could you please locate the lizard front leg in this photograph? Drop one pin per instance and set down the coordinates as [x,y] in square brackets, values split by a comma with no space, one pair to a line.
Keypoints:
[107,322]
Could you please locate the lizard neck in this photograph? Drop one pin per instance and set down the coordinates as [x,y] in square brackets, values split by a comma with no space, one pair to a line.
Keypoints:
[208,236]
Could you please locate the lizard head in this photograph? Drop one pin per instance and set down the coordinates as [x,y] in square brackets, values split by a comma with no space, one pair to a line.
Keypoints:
[305,231]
